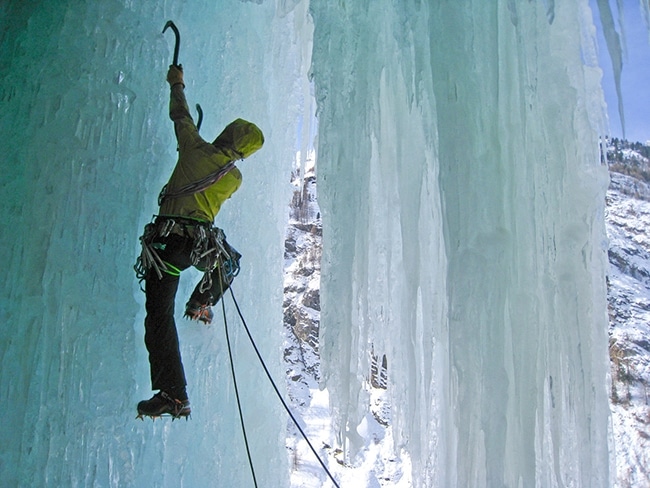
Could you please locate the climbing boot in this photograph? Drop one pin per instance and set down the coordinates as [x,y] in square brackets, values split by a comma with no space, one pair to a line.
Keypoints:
[164,404]
[196,311]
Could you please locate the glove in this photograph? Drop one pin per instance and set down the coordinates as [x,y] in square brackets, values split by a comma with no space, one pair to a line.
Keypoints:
[175,75]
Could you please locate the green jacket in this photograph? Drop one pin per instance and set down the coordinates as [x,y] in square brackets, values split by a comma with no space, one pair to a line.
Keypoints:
[198,158]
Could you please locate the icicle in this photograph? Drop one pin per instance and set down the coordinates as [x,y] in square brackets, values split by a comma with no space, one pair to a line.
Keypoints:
[615,52]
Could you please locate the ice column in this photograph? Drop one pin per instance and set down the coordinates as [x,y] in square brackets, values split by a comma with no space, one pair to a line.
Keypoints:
[462,200]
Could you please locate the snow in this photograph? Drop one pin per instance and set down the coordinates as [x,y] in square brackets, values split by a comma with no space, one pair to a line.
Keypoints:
[376,467]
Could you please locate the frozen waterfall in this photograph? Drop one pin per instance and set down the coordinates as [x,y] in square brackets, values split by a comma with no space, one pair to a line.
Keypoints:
[470,247]
[462,198]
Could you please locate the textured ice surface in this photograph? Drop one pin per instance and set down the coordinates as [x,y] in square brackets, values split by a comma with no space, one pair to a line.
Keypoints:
[462,221]
[463,234]
[88,144]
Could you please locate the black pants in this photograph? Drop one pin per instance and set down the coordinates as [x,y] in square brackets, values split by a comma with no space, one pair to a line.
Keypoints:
[161,337]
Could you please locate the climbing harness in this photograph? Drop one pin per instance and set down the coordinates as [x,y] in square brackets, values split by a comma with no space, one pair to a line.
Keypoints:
[270,378]
[210,249]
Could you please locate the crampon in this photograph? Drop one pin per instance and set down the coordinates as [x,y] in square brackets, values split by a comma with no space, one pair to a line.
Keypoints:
[163,405]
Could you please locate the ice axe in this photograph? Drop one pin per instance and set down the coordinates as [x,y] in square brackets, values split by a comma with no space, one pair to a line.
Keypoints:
[178,40]
[177,47]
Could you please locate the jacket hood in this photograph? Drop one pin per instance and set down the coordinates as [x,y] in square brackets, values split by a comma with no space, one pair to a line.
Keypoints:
[241,136]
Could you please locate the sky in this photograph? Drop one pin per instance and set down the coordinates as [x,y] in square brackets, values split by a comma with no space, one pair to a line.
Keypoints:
[635,77]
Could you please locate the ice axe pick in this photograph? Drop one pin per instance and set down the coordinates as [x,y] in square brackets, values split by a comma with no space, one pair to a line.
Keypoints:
[178,40]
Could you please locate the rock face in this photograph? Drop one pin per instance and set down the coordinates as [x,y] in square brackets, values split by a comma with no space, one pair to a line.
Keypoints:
[302,254]
[628,224]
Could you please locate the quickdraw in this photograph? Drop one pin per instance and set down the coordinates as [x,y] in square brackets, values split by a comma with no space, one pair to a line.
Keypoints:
[210,250]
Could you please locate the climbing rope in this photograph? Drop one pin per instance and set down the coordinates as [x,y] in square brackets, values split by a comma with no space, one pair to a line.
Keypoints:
[195,186]
[234,380]
[277,391]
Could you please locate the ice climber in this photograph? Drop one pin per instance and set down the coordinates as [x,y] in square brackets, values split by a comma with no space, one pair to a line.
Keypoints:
[183,235]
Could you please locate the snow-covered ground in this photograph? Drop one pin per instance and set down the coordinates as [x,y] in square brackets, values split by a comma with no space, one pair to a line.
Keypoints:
[377,464]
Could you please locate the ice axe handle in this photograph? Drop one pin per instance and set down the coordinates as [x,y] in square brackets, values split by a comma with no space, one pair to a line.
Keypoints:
[178,40]
[200,111]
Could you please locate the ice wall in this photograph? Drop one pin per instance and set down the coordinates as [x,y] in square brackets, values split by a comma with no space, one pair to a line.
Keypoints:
[462,200]
[462,211]
[87,146]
